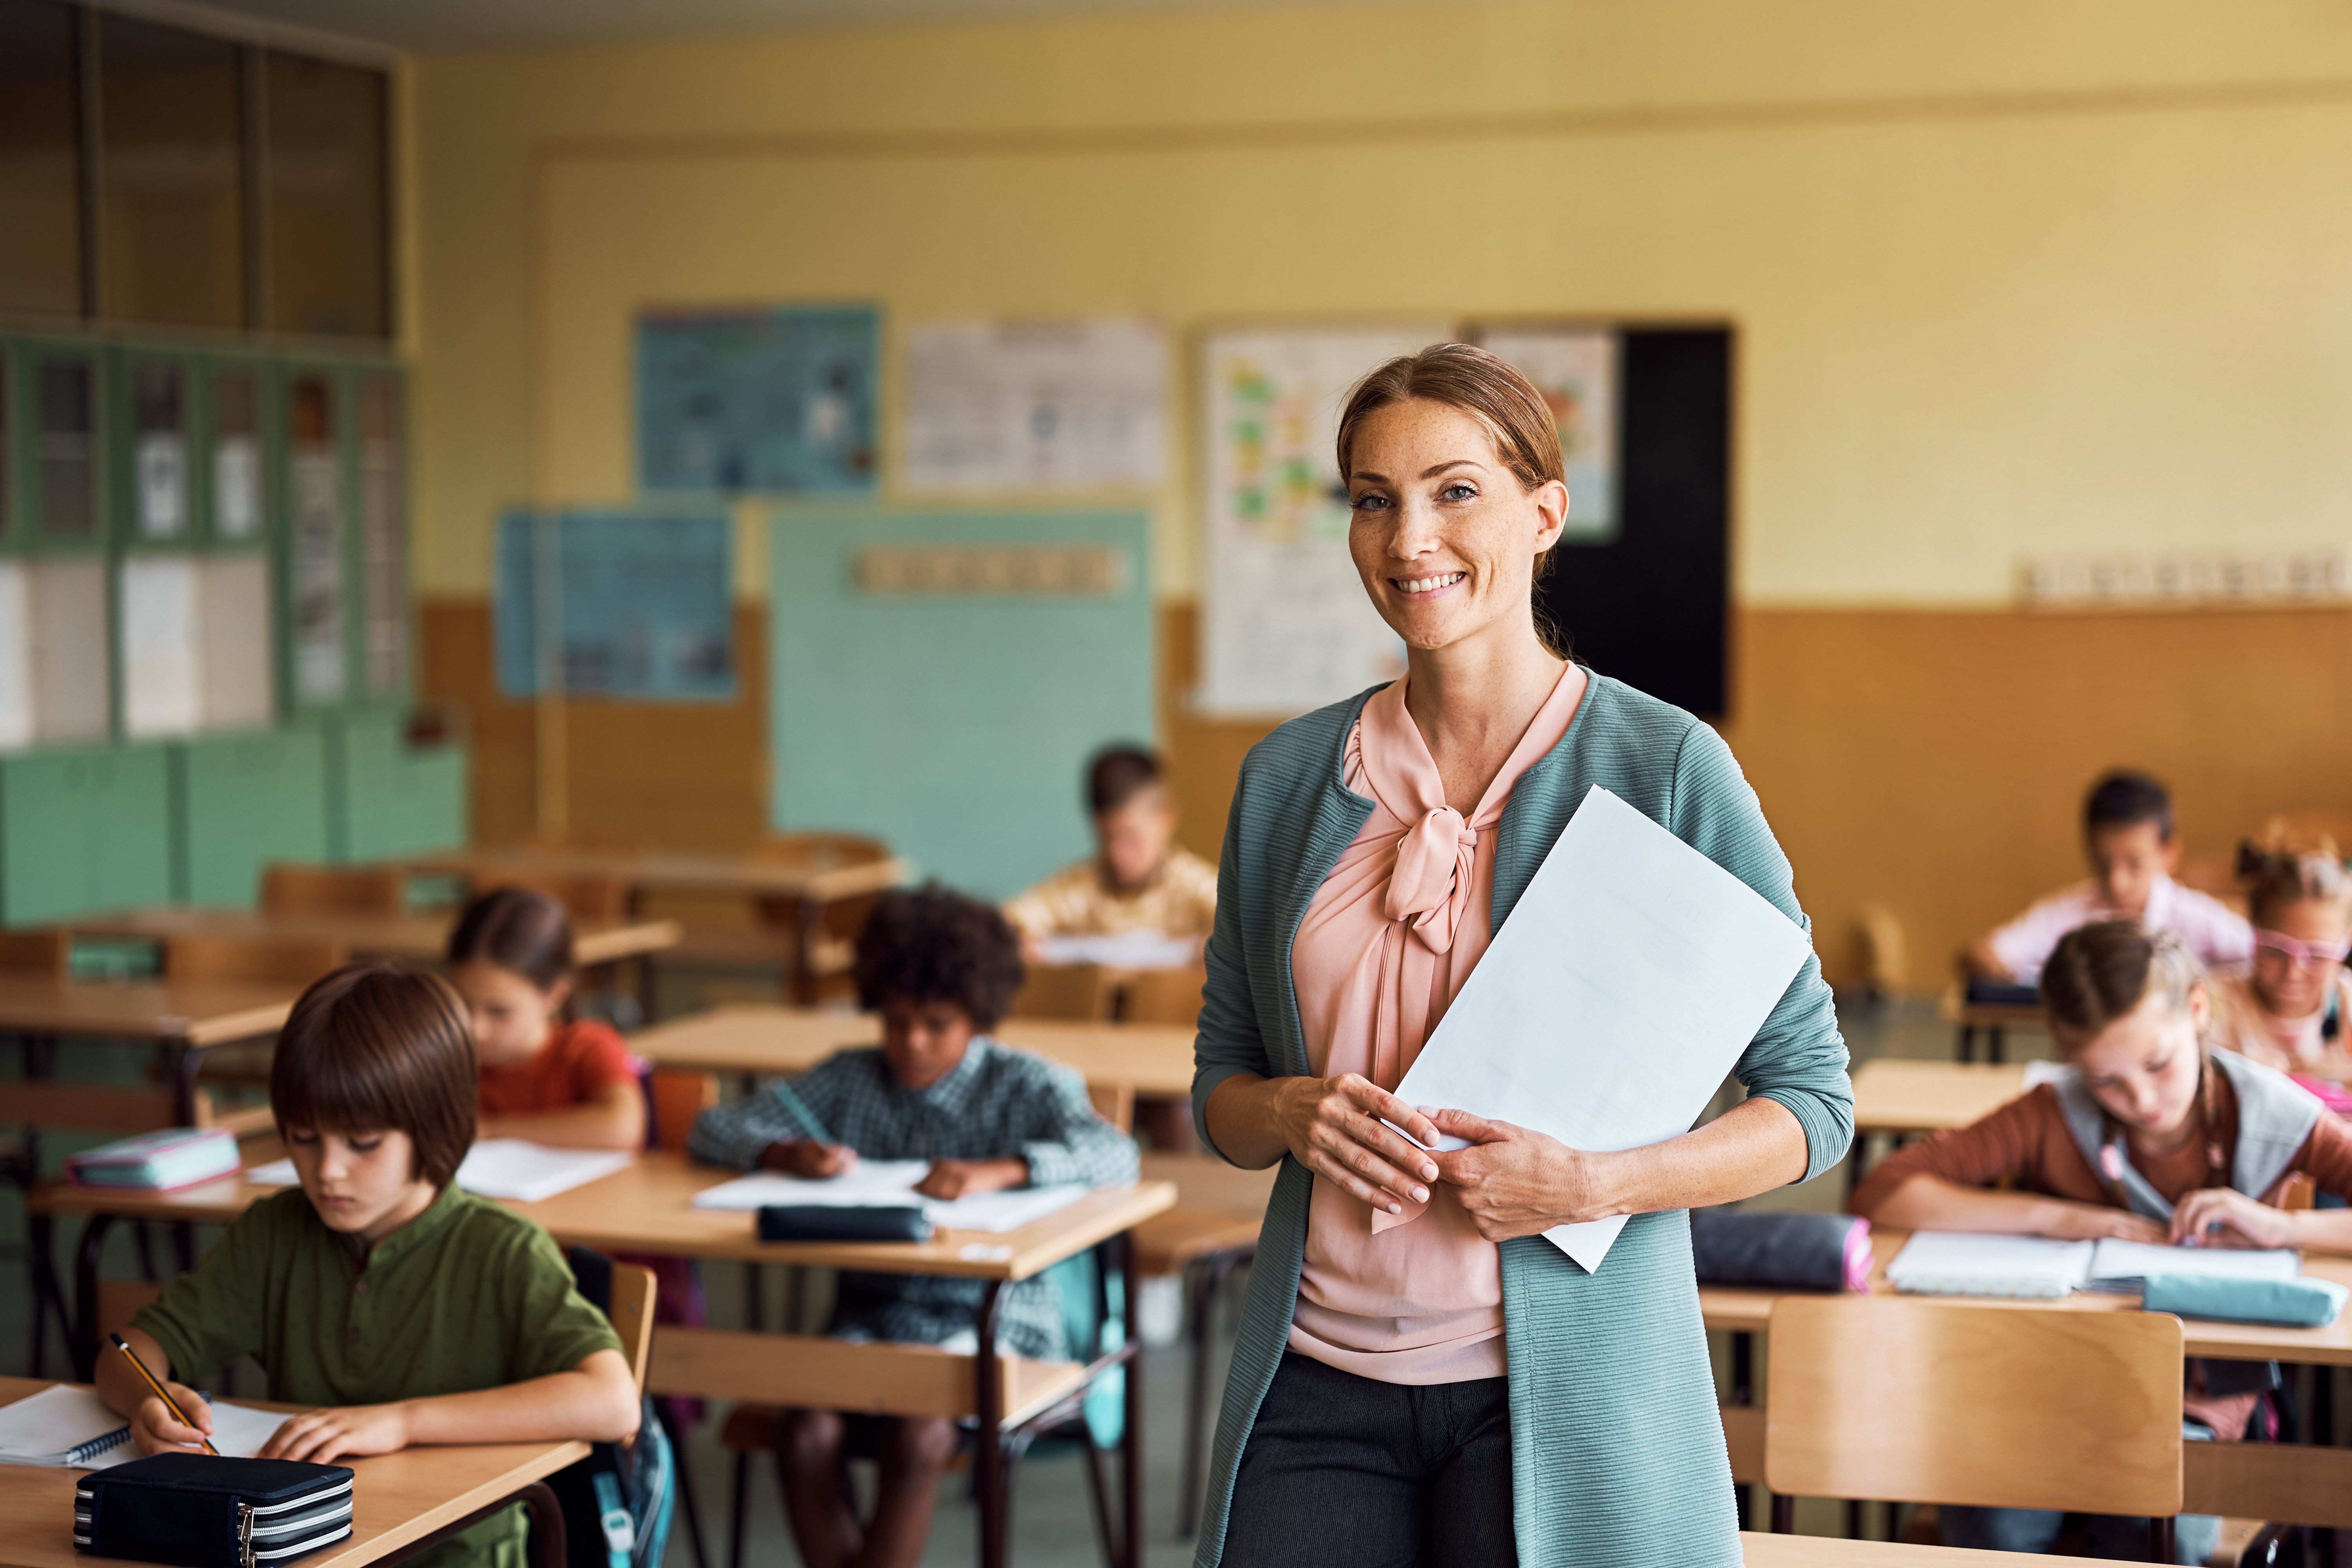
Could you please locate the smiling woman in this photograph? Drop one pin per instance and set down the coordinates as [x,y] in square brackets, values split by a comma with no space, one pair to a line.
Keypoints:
[1420,1376]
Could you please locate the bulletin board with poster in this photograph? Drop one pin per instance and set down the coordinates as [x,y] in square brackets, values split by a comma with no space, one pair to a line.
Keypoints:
[773,401]
[1640,588]
[1285,626]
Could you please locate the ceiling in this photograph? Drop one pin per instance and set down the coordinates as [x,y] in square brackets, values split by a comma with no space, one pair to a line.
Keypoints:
[429,25]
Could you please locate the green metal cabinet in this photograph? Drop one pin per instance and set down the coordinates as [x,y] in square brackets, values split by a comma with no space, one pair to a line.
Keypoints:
[386,797]
[240,801]
[83,828]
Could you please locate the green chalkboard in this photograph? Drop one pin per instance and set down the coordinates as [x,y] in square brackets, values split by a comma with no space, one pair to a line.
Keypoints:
[944,691]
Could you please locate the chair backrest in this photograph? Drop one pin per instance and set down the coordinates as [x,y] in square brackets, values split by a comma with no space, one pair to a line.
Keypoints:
[584,897]
[633,1316]
[239,960]
[292,890]
[1985,1405]
[1162,995]
[36,952]
[119,1301]
[674,1098]
[1115,1103]
[1079,991]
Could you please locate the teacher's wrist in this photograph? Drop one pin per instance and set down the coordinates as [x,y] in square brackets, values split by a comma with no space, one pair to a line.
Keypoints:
[1603,1185]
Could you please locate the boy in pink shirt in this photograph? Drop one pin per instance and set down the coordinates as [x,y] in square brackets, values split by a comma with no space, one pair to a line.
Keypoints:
[2128,835]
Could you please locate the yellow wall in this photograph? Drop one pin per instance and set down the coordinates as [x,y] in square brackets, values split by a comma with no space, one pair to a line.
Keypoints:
[2012,276]
[2042,275]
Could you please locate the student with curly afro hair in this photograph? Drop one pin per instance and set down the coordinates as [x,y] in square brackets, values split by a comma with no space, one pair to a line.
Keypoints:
[940,969]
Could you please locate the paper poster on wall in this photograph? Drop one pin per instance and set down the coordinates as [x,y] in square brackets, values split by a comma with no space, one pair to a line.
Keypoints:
[1575,368]
[317,568]
[162,646]
[766,401]
[1285,623]
[616,604]
[1021,405]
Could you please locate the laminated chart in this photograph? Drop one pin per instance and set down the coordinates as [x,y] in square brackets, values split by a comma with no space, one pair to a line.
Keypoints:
[1575,368]
[778,402]
[1048,405]
[1285,627]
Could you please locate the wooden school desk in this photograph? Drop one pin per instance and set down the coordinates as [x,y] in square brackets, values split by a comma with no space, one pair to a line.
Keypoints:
[1821,1552]
[2288,1483]
[752,1041]
[1899,1096]
[421,938]
[658,873]
[180,1021]
[400,1502]
[645,1208]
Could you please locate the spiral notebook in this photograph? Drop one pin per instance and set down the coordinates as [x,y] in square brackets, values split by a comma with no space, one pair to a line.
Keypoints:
[68,1428]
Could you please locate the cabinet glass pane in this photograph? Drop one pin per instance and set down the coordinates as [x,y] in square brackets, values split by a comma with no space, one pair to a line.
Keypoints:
[159,450]
[8,455]
[40,159]
[316,479]
[173,201]
[66,447]
[237,454]
[384,551]
[327,232]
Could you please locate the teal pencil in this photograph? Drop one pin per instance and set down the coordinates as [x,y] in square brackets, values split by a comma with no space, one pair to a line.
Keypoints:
[801,1112]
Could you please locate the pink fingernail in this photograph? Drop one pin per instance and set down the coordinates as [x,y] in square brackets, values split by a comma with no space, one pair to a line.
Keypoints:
[1419,1195]
[1394,1209]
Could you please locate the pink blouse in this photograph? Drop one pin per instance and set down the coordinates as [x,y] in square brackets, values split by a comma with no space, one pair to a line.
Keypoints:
[1391,935]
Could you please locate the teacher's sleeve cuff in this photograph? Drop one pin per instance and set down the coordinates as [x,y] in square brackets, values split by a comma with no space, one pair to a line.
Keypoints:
[1827,1121]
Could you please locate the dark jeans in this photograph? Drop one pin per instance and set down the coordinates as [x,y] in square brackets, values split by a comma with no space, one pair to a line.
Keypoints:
[1343,1470]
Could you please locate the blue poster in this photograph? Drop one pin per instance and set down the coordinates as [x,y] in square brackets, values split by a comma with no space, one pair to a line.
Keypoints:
[771,402]
[638,600]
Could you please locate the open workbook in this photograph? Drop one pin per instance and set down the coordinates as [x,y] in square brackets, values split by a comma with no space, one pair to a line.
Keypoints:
[1966,1263]
[70,1428]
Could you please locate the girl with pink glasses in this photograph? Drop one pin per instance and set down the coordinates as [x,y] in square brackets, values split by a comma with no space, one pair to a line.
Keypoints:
[2292,1009]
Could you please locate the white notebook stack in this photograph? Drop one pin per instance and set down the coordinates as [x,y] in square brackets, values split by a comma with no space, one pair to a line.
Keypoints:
[1965,1263]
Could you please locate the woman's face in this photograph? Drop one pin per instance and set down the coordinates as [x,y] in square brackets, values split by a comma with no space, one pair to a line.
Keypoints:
[1444,535]
[2289,988]
[2143,1067]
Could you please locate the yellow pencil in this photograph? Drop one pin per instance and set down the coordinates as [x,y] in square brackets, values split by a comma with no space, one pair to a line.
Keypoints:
[161,1391]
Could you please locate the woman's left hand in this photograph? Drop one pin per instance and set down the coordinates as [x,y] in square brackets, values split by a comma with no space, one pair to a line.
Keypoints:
[322,1437]
[2222,1216]
[1515,1181]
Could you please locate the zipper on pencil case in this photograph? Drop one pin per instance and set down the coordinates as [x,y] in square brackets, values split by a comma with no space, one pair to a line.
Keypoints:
[253,1555]
[301,1522]
[305,1500]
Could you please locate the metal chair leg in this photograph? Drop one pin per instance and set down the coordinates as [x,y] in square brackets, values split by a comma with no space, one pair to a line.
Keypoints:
[1784,1515]
[682,1474]
[735,1508]
[2161,1540]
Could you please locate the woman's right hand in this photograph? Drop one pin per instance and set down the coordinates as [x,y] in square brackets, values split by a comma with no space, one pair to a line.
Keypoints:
[808,1159]
[1334,1127]
[156,1430]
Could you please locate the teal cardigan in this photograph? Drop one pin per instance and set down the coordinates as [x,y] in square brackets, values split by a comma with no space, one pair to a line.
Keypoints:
[1617,1453]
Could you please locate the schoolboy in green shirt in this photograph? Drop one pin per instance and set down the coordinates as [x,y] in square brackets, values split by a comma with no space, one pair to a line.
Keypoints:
[407,1310]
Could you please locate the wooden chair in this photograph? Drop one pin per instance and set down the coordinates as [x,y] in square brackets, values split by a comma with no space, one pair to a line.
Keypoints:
[1115,1103]
[818,934]
[36,952]
[674,1098]
[1934,1401]
[1162,995]
[291,891]
[586,896]
[1080,991]
[632,1316]
[119,1301]
[248,961]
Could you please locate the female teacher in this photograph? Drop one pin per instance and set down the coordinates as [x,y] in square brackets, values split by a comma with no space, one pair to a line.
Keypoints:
[1421,1378]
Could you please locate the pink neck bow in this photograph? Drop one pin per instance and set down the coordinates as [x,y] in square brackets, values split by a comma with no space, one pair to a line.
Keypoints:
[1432,878]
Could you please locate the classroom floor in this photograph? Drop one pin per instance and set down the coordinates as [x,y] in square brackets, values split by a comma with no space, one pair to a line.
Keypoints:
[1052,1521]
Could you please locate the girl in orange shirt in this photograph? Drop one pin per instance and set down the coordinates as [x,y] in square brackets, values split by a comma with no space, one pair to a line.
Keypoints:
[544,1077]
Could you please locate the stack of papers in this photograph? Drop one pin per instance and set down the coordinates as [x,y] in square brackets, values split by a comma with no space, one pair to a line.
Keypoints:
[890,1183]
[499,1168]
[158,1162]
[71,1428]
[1965,1263]
[1131,949]
[1607,1011]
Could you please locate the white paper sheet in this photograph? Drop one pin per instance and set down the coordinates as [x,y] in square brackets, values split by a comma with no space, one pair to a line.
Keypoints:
[1970,1263]
[876,1182]
[498,1168]
[1130,950]
[43,1428]
[2129,1262]
[1611,1005]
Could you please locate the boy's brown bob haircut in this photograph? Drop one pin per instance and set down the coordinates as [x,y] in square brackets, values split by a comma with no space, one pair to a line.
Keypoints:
[376,1048]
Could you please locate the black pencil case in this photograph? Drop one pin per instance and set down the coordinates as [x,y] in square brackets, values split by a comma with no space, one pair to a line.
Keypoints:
[818,1222]
[2002,994]
[196,1510]
[1779,1252]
